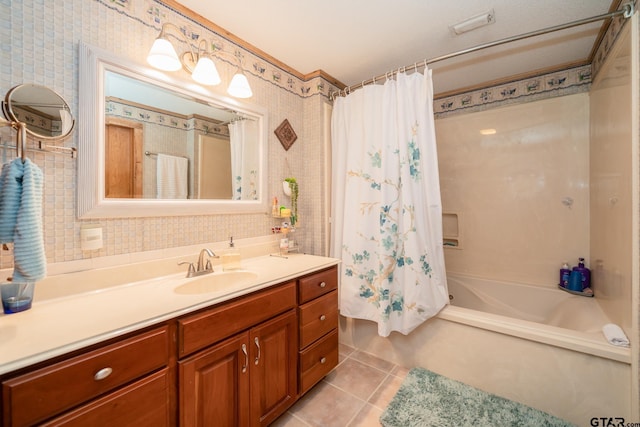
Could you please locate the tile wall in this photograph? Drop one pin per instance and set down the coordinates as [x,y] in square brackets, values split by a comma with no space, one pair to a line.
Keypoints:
[40,45]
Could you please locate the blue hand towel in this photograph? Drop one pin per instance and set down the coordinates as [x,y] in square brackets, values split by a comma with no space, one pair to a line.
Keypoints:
[10,195]
[21,218]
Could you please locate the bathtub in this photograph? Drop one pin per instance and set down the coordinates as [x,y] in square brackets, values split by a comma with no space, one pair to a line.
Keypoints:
[539,346]
[543,314]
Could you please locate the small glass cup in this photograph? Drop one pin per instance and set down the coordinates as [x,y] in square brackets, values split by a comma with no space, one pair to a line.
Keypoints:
[16,297]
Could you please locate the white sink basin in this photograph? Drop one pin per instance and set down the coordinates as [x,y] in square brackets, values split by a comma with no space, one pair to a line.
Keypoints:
[215,281]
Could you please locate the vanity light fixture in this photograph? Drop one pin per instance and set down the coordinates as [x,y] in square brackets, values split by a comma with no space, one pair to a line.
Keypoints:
[200,64]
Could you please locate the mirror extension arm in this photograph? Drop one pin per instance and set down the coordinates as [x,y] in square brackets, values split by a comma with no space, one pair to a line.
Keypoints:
[21,136]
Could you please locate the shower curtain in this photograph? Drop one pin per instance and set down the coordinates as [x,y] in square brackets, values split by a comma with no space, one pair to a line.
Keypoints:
[243,139]
[386,208]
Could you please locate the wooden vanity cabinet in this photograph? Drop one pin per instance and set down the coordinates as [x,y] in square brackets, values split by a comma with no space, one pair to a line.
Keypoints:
[318,327]
[123,383]
[243,362]
[249,378]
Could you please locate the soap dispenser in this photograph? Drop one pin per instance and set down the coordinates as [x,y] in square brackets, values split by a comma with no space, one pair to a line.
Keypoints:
[231,257]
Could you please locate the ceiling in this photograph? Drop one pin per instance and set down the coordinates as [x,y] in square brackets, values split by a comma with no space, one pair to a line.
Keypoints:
[355,40]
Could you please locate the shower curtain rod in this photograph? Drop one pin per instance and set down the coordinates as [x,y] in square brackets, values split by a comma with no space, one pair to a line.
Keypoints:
[627,11]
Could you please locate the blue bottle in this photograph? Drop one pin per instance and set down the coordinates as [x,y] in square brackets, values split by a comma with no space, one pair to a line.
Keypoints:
[584,272]
[564,275]
[575,281]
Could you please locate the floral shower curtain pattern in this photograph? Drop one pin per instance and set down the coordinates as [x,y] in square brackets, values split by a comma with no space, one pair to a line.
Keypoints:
[386,208]
[244,159]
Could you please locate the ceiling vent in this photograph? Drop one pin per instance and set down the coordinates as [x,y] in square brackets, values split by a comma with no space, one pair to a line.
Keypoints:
[474,22]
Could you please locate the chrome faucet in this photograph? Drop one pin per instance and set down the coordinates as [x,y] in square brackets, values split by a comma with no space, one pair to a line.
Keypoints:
[201,268]
[208,268]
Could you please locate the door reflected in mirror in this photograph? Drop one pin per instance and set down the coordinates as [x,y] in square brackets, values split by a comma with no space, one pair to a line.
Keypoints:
[160,144]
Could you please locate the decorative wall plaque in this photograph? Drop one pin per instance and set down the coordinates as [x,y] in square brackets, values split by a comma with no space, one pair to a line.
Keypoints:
[285,134]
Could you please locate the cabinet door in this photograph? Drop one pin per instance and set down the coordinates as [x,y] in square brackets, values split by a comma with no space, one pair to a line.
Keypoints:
[214,385]
[273,367]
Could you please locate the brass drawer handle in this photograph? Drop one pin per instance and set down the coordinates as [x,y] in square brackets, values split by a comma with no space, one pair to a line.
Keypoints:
[102,373]
[323,360]
[257,343]
[323,318]
[246,358]
[322,284]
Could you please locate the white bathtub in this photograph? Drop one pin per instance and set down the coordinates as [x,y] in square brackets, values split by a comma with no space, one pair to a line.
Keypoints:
[539,346]
[547,315]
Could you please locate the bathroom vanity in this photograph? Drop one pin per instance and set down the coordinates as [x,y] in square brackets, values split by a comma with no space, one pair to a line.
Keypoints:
[230,355]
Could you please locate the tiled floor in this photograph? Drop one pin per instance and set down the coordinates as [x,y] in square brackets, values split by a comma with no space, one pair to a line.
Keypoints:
[354,394]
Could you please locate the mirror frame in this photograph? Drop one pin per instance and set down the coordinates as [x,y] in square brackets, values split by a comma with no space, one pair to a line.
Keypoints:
[91,133]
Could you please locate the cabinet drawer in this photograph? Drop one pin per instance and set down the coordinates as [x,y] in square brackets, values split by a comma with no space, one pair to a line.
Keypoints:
[317,360]
[317,284]
[46,392]
[144,403]
[203,329]
[318,317]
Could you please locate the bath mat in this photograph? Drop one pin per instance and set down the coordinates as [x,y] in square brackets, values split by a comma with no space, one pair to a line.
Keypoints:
[428,399]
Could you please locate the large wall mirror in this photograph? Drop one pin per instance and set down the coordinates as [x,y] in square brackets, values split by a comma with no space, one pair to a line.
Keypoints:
[152,145]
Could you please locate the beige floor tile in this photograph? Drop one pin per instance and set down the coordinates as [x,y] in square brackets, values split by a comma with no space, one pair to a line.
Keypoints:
[400,371]
[344,351]
[288,420]
[383,395]
[327,406]
[371,360]
[369,416]
[356,378]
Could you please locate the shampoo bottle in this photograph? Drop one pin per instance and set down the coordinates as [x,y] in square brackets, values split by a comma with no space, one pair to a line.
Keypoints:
[231,257]
[584,272]
[565,272]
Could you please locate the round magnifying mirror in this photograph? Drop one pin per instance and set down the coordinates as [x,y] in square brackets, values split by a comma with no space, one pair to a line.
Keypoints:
[46,114]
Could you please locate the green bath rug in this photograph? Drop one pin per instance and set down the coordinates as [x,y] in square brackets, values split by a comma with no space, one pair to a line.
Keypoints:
[428,399]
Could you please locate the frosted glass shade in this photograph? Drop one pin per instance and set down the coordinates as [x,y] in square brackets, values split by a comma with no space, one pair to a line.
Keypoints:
[239,86]
[206,72]
[163,56]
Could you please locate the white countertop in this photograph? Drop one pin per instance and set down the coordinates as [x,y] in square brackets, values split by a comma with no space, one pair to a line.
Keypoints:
[55,326]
